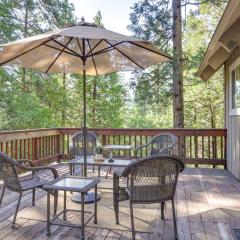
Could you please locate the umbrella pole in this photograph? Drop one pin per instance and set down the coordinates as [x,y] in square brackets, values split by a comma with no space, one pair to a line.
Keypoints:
[89,197]
[84,121]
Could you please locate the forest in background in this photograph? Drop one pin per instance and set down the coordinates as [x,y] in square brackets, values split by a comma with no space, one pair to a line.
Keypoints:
[31,99]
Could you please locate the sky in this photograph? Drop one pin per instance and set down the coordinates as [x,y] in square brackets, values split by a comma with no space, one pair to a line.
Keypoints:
[115,13]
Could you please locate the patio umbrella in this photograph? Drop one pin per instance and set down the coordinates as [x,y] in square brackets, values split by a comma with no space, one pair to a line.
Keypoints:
[81,48]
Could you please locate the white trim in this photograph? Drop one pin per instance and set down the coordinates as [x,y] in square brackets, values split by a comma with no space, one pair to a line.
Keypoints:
[230,15]
[235,111]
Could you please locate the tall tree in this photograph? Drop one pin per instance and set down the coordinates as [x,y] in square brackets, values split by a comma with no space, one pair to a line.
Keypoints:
[160,22]
[204,101]
[178,105]
[19,19]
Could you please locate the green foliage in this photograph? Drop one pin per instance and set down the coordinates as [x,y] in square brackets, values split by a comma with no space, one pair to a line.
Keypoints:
[203,102]
[151,20]
[109,101]
[98,19]
[31,99]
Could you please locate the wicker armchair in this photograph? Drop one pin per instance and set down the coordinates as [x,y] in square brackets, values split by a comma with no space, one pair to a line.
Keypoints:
[9,174]
[77,146]
[151,180]
[162,143]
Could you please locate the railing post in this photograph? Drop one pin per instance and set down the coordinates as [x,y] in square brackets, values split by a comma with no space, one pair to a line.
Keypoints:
[214,149]
[180,146]
[196,148]
[225,150]
[104,140]
[34,149]
[57,145]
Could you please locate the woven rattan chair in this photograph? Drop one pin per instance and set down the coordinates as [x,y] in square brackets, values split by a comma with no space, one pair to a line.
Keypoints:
[9,174]
[77,145]
[162,143]
[151,180]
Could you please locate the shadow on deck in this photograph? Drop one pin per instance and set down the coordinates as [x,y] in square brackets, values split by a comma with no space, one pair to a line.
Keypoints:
[207,205]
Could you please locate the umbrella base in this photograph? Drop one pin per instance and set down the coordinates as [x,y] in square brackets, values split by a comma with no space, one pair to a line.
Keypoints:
[88,197]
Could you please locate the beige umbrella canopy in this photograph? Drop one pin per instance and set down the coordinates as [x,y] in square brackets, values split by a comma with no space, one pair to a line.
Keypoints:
[81,48]
[65,51]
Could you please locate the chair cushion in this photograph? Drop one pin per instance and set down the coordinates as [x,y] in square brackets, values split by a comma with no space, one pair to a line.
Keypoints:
[33,182]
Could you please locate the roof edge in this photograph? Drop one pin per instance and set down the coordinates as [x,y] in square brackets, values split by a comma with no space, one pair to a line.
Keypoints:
[204,66]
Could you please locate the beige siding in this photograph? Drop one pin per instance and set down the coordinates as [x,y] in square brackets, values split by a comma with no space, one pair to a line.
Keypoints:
[232,123]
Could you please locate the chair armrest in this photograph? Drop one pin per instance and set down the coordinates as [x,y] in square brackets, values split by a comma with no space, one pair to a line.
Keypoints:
[25,161]
[52,169]
[167,150]
[35,169]
[121,172]
[137,149]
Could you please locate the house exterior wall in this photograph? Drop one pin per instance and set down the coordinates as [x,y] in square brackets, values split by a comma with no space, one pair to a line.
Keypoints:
[232,121]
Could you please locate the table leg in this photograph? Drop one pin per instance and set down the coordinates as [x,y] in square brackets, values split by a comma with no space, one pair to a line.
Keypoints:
[98,171]
[71,169]
[82,217]
[48,213]
[95,206]
[64,205]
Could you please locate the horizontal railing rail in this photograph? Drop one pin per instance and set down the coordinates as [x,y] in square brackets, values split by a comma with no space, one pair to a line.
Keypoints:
[200,146]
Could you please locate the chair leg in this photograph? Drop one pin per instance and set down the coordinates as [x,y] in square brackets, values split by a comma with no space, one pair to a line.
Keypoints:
[132,221]
[16,211]
[1,198]
[162,210]
[107,172]
[55,203]
[174,220]
[116,210]
[99,169]
[33,196]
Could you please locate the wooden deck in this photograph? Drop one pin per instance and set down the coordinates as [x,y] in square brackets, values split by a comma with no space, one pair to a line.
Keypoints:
[207,202]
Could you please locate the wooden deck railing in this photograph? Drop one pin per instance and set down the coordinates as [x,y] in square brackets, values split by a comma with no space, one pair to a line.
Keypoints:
[201,146]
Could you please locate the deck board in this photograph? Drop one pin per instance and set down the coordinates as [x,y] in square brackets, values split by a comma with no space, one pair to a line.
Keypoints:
[207,207]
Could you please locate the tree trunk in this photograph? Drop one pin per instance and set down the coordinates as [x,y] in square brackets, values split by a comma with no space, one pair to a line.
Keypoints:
[178,113]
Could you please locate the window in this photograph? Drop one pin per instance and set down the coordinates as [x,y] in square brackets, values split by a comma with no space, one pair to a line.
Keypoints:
[236,87]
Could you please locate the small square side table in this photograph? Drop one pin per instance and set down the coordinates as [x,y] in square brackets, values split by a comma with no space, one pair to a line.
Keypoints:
[71,184]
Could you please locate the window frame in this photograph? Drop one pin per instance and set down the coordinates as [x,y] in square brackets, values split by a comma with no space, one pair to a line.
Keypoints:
[233,111]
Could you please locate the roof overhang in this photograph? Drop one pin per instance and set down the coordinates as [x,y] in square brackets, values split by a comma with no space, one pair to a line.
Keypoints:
[225,38]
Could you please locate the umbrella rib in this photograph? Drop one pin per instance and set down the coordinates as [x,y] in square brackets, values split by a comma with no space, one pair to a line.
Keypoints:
[21,54]
[125,55]
[56,58]
[138,45]
[79,46]
[107,49]
[103,51]
[90,51]
[94,63]
[58,49]
[69,49]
